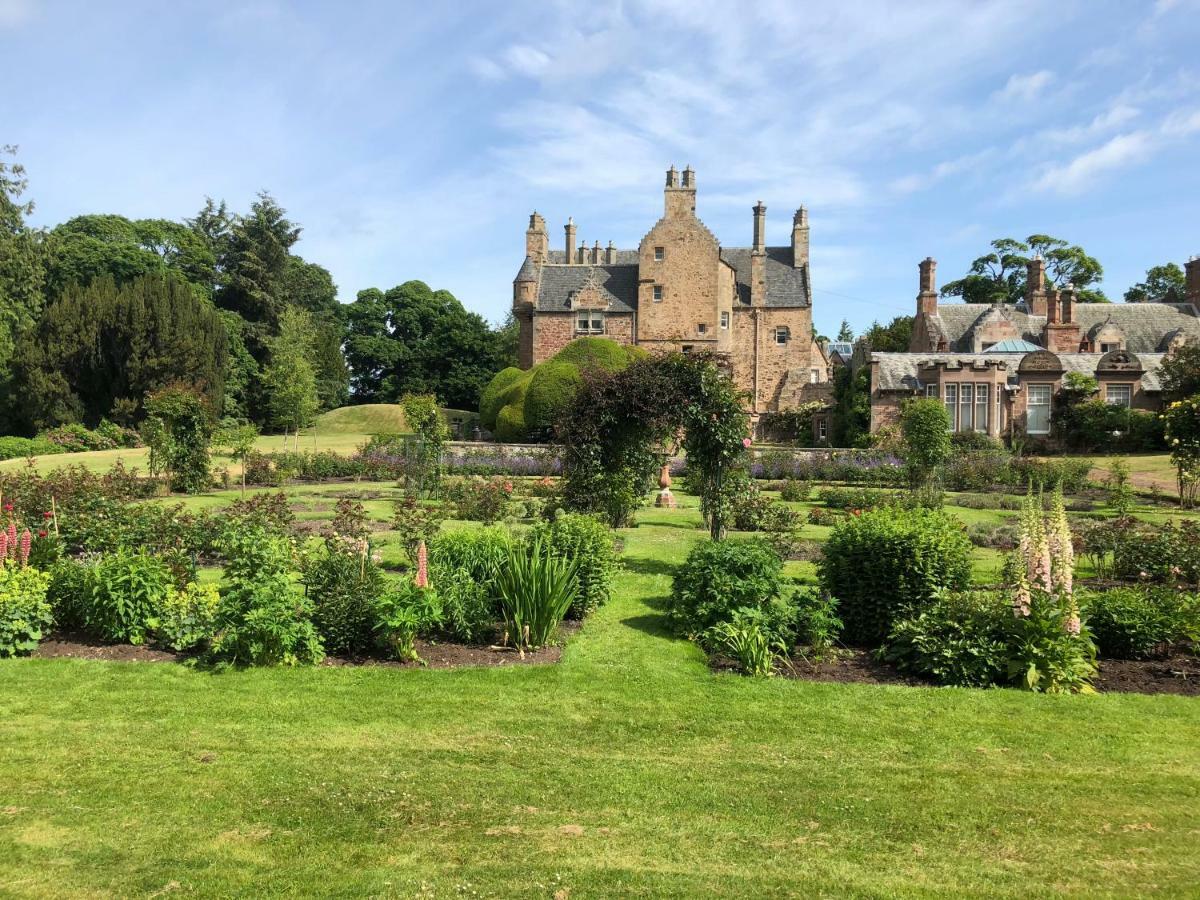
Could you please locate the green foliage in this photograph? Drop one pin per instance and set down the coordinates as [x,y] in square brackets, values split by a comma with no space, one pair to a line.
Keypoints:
[1044,656]
[745,639]
[19,447]
[423,416]
[510,423]
[535,589]
[999,276]
[795,490]
[925,425]
[894,337]
[100,346]
[415,522]
[403,613]
[498,394]
[468,614]
[1141,622]
[551,390]
[290,380]
[478,499]
[263,620]
[344,585]
[852,406]
[22,267]
[891,562]
[588,543]
[1163,284]
[182,436]
[187,619]
[1166,554]
[1182,432]
[720,577]
[858,498]
[126,592]
[481,552]
[958,639]
[1100,427]
[25,614]
[817,625]
[1179,372]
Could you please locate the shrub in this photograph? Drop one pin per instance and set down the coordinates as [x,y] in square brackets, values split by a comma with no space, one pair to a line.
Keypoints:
[1069,472]
[480,499]
[468,613]
[480,553]
[973,442]
[854,497]
[597,353]
[260,469]
[1046,656]
[999,537]
[25,614]
[127,590]
[76,438]
[1140,622]
[403,613]
[344,585]
[266,511]
[958,639]
[925,425]
[262,619]
[551,390]
[588,543]
[19,447]
[1162,553]
[819,515]
[69,592]
[979,470]
[817,625]
[720,577]
[747,642]
[187,618]
[510,423]
[498,394]
[184,435]
[535,589]
[415,522]
[890,562]
[795,490]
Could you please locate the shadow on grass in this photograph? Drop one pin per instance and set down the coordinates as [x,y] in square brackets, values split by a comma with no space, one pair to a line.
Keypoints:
[654,623]
[641,565]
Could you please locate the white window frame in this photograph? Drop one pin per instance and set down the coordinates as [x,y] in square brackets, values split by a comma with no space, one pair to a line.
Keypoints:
[933,390]
[724,321]
[656,293]
[982,396]
[1108,346]
[822,429]
[1042,389]
[589,321]
[783,334]
[1126,389]
[951,401]
[966,407]
[660,253]
[814,376]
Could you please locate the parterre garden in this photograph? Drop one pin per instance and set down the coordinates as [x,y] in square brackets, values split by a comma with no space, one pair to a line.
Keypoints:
[627,765]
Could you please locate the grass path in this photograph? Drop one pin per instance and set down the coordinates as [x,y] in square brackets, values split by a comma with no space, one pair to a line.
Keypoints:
[626,769]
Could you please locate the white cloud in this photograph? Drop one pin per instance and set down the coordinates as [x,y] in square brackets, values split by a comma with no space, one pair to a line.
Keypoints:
[486,69]
[526,60]
[1025,87]
[1081,172]
[1182,123]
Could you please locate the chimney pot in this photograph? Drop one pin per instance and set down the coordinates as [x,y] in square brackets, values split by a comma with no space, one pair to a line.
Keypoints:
[760,228]
[569,254]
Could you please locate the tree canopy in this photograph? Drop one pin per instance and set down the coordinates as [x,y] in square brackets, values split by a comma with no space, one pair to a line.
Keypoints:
[1163,284]
[1000,275]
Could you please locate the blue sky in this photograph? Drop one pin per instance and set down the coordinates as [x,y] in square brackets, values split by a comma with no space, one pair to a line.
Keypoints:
[413,140]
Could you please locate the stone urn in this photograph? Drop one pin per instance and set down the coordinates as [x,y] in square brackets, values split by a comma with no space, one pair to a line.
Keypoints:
[665,498]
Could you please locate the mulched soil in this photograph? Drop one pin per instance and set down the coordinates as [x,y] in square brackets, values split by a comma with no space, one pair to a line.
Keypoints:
[1176,674]
[435,654]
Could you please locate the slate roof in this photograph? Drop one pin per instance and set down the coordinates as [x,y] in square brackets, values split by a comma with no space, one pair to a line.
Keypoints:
[786,285]
[1147,326]
[901,371]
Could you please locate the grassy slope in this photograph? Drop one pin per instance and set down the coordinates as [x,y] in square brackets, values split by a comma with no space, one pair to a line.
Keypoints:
[1146,471]
[626,769]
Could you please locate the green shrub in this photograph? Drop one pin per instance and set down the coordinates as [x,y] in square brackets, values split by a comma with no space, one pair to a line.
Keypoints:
[748,642]
[497,395]
[468,613]
[187,618]
[69,592]
[510,424]
[1163,553]
[1043,654]
[414,522]
[817,625]
[721,577]
[344,587]
[587,542]
[859,498]
[478,499]
[596,353]
[262,620]
[958,639]
[25,614]
[480,552]
[19,447]
[973,442]
[403,613]
[925,425]
[1070,472]
[535,589]
[127,590]
[891,562]
[551,390]
[795,490]
[1140,622]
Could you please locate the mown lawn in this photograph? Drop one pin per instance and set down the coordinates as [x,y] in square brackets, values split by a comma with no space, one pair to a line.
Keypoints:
[626,769]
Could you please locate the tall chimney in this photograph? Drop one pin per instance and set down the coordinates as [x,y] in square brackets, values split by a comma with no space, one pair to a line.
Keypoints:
[1067,298]
[927,282]
[596,253]
[800,238]
[1191,280]
[570,248]
[760,228]
[1035,286]
[679,200]
[610,254]
[1051,307]
[537,244]
[689,178]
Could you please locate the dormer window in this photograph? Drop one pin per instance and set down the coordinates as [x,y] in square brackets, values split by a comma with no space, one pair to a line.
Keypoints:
[658,293]
[1106,346]
[660,253]
[782,334]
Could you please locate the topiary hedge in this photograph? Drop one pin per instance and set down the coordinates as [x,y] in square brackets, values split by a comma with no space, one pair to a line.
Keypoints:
[890,563]
[498,394]
[550,392]
[510,424]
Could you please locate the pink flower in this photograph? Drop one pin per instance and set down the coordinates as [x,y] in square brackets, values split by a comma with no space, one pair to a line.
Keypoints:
[422,579]
[47,514]
[3,545]
[746,443]
[26,541]
[1073,625]
[12,534]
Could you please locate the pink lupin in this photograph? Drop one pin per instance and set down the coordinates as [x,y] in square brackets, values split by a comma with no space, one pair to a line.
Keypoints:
[12,534]
[26,543]
[422,580]
[3,546]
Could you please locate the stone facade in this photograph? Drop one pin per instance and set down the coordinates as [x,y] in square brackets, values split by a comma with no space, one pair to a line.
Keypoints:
[680,290]
[999,369]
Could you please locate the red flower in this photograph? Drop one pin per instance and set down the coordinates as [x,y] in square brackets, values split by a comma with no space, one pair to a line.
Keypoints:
[8,507]
[41,534]
[47,514]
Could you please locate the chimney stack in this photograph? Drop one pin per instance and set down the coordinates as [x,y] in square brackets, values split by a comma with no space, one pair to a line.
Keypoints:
[1191,280]
[1051,307]
[1067,296]
[927,282]
[537,243]
[570,248]
[581,254]
[760,228]
[800,238]
[610,254]
[1035,286]
[679,199]
[596,253]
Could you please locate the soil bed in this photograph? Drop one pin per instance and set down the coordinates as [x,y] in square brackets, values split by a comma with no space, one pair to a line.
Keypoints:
[434,654]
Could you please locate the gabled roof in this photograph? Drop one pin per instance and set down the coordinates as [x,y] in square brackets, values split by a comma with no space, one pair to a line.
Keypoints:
[787,285]
[560,284]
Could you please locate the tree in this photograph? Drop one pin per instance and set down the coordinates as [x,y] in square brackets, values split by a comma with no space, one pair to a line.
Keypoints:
[852,406]
[413,339]
[254,269]
[999,276]
[239,440]
[893,337]
[22,255]
[104,346]
[1163,284]
[290,380]
[925,425]
[1179,372]
[845,332]
[185,430]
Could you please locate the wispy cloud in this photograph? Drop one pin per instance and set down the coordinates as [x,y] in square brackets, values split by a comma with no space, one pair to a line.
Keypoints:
[1025,87]
[1081,172]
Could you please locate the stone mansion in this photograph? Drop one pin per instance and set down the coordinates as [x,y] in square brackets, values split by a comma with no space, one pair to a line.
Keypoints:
[998,368]
[681,290]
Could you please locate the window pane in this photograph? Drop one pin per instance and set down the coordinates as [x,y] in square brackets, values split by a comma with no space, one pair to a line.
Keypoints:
[952,405]
[964,402]
[1038,414]
[1119,395]
[981,407]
